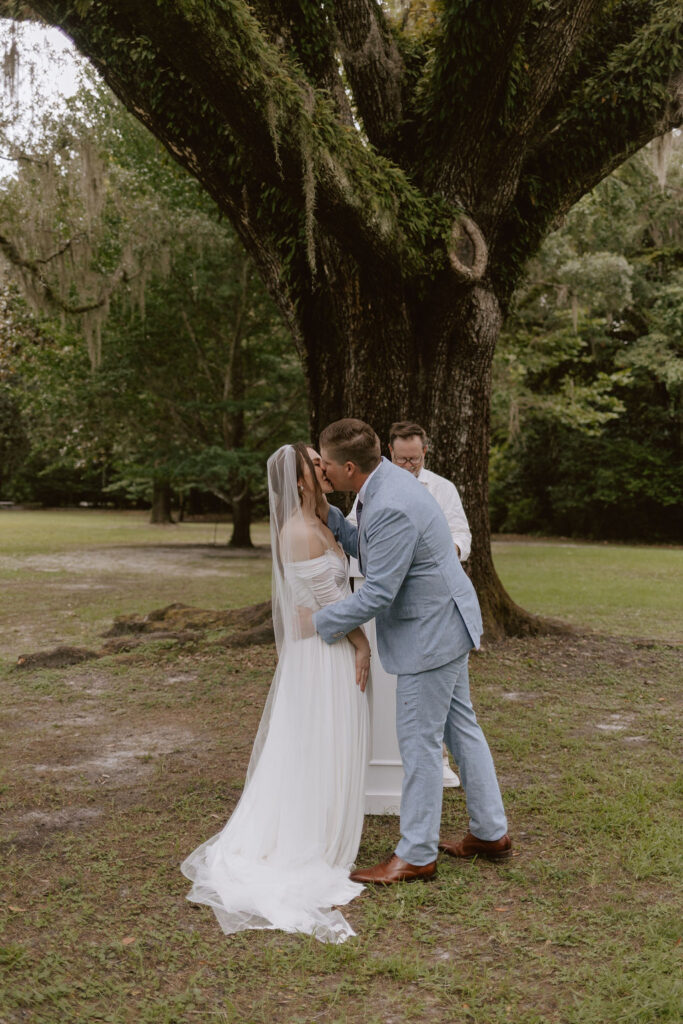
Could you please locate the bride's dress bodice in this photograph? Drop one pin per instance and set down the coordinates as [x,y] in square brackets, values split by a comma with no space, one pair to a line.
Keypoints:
[318,581]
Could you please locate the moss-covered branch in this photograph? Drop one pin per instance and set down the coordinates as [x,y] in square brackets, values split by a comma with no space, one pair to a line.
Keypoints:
[305,31]
[635,96]
[464,89]
[34,270]
[373,66]
[549,44]
[288,132]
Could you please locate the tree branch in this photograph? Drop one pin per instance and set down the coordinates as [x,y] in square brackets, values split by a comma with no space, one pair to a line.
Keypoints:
[604,38]
[636,96]
[549,48]
[248,96]
[312,40]
[614,114]
[33,269]
[373,66]
[58,252]
[466,88]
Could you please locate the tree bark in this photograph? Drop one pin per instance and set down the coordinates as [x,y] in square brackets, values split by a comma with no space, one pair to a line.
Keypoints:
[241,519]
[161,503]
[234,426]
[381,353]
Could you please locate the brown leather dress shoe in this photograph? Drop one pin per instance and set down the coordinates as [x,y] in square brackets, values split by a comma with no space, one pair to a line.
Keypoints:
[470,846]
[395,870]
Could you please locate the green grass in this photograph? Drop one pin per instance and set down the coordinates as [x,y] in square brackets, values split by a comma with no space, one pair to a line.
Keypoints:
[626,591]
[26,532]
[82,568]
[111,771]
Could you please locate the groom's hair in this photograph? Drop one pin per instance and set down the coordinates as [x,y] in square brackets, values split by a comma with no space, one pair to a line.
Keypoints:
[354,441]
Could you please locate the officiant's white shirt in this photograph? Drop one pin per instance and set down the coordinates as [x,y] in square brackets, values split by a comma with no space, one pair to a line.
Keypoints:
[448,498]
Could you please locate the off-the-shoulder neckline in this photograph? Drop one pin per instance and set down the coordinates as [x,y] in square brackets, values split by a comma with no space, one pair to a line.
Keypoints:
[305,561]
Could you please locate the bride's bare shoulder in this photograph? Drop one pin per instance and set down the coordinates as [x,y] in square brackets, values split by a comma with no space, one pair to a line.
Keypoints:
[299,542]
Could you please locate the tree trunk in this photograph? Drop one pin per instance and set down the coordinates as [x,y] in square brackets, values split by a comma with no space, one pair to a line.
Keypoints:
[241,519]
[234,426]
[455,410]
[384,355]
[161,502]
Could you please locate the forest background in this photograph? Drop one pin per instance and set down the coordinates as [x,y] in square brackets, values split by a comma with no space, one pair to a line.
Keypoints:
[143,363]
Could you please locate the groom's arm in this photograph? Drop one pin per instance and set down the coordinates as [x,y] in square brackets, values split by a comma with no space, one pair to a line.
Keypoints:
[392,540]
[344,531]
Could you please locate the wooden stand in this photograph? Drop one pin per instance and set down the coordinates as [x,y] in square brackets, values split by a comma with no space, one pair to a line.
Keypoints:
[385,770]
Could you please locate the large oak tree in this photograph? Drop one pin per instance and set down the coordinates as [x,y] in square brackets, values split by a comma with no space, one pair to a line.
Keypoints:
[390,167]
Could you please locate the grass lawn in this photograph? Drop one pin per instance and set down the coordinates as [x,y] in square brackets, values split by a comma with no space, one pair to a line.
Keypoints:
[619,589]
[112,770]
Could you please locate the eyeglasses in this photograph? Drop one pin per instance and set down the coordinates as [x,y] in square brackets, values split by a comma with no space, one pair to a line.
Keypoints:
[415,461]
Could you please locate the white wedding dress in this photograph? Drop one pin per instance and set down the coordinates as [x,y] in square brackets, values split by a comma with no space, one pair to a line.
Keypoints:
[283,859]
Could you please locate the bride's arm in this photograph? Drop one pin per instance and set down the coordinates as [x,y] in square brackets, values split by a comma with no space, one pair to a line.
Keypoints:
[327,592]
[360,642]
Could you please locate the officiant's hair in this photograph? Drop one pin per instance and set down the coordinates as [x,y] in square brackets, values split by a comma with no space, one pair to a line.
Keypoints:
[350,440]
[404,428]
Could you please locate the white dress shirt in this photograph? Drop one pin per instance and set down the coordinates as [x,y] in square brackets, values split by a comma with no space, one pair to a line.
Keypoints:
[448,498]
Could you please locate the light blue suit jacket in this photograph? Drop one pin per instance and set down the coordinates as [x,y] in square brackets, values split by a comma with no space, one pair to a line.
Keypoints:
[425,605]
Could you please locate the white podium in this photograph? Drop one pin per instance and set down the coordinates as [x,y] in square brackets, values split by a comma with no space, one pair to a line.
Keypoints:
[384,776]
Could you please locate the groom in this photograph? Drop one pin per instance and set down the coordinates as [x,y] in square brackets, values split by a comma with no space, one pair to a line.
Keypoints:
[428,619]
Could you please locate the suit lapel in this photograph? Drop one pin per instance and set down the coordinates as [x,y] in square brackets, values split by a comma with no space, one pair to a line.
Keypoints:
[374,485]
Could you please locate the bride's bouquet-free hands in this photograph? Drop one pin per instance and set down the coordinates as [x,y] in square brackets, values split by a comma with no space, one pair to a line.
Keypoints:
[362,658]
[356,636]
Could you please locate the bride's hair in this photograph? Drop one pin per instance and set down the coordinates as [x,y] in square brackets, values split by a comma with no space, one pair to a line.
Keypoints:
[304,459]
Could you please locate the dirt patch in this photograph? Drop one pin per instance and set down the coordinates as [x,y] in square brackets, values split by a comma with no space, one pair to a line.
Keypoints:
[251,626]
[67,817]
[180,616]
[58,657]
[171,560]
[32,830]
[94,760]
[180,623]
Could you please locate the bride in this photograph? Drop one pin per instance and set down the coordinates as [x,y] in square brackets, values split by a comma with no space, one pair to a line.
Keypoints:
[283,859]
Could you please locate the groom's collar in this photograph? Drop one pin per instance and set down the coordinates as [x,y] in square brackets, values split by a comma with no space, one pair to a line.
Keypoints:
[362,494]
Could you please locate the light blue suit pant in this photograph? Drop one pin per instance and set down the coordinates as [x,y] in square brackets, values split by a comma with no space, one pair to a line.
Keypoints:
[430,707]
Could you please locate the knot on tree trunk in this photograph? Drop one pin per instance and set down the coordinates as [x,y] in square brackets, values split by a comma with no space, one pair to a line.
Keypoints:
[467,251]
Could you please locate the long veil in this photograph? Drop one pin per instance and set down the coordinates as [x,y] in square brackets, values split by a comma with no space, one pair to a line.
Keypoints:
[287,527]
[286,524]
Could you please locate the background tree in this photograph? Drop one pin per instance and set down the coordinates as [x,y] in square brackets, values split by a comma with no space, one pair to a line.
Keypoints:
[191,376]
[588,411]
[390,168]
